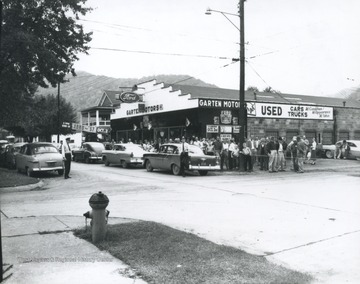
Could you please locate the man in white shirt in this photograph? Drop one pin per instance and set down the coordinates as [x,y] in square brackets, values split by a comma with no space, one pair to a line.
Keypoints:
[66,153]
[184,156]
[230,155]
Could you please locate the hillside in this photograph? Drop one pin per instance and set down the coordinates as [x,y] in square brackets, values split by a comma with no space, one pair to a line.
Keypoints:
[85,89]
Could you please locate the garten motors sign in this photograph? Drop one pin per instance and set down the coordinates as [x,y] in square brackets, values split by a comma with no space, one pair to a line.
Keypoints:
[128,97]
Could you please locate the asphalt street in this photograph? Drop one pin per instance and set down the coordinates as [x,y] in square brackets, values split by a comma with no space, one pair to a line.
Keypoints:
[308,222]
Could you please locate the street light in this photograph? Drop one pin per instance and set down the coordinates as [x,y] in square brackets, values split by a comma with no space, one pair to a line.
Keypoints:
[242,110]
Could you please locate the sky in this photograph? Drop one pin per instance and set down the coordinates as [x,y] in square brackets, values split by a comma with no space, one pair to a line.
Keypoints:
[307,47]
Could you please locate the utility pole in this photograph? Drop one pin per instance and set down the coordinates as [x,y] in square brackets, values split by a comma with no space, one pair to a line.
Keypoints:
[242,110]
[1,258]
[58,113]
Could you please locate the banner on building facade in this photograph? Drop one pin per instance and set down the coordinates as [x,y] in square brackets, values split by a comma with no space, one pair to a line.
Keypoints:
[270,110]
[290,111]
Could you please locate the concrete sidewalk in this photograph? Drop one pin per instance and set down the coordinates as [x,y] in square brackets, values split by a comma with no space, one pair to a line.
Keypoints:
[44,250]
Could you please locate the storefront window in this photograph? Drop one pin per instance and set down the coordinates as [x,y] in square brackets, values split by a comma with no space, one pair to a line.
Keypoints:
[343,135]
[272,133]
[357,135]
[291,134]
[327,138]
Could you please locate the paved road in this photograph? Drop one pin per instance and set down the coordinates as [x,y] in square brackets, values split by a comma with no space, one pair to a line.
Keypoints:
[309,222]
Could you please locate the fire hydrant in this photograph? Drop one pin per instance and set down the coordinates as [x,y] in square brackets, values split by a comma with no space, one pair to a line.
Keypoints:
[99,215]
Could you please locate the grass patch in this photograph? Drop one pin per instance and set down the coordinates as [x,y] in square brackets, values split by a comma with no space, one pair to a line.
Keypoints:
[160,254]
[10,178]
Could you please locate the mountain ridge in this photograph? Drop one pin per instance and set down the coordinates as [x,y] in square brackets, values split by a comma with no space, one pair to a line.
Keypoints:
[85,89]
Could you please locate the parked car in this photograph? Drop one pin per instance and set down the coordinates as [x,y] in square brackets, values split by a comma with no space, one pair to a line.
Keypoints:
[88,152]
[330,150]
[11,151]
[39,157]
[3,144]
[124,154]
[168,158]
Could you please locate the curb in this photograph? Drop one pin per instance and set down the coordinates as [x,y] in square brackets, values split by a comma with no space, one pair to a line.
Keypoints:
[21,188]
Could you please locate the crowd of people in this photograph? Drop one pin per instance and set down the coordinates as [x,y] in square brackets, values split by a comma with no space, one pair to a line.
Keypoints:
[267,153]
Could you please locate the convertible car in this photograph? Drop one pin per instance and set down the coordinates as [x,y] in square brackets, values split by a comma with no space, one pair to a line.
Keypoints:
[39,157]
[88,152]
[330,150]
[168,158]
[124,154]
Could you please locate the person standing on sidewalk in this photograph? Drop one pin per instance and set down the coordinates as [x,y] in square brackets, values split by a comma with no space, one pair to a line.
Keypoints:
[313,151]
[301,152]
[218,150]
[66,153]
[272,153]
[184,156]
[231,154]
[263,155]
[281,156]
[246,151]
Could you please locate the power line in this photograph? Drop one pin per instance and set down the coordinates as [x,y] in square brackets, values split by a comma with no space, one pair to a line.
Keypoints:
[161,53]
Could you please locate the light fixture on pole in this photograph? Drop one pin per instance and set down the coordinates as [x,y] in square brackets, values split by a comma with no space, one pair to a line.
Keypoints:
[242,105]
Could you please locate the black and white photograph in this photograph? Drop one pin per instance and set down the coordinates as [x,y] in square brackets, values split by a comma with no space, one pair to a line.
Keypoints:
[179,142]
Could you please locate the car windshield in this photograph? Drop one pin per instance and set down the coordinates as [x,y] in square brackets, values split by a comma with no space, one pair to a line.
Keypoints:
[195,150]
[132,147]
[44,149]
[97,147]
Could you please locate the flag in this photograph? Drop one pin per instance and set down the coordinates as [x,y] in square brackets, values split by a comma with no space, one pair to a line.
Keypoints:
[187,122]
[135,127]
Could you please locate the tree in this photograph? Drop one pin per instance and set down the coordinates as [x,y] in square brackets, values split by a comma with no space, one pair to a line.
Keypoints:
[252,88]
[270,90]
[40,117]
[40,41]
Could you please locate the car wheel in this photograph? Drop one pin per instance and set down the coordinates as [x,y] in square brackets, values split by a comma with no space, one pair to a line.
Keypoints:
[106,162]
[329,154]
[87,160]
[175,169]
[28,172]
[149,167]
[76,159]
[124,164]
[60,172]
[203,173]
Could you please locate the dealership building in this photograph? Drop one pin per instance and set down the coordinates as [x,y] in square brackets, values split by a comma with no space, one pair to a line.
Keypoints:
[155,110]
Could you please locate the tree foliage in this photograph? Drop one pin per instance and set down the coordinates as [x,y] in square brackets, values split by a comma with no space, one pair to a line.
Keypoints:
[252,88]
[40,41]
[40,117]
[270,90]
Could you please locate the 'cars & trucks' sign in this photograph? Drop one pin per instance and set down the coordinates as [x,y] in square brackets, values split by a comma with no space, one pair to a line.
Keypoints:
[290,111]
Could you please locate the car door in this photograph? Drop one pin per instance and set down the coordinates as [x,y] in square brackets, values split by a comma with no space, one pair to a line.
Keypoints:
[354,151]
[156,158]
[20,158]
[170,157]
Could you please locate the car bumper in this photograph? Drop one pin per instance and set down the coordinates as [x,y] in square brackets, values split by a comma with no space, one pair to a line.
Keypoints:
[45,169]
[204,168]
[136,161]
[95,158]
